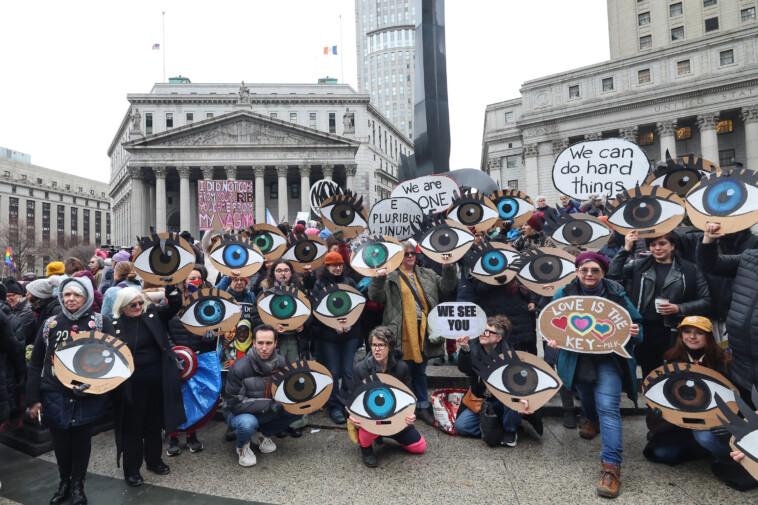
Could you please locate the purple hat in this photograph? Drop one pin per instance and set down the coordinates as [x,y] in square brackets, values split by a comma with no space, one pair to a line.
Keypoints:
[592,256]
[121,256]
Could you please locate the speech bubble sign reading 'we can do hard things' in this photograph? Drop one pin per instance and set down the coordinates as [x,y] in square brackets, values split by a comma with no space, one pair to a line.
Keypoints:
[586,324]
[601,167]
[457,319]
[433,193]
[225,203]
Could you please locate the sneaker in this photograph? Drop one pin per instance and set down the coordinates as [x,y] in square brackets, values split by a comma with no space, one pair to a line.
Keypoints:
[439,361]
[589,430]
[367,454]
[173,447]
[569,419]
[338,417]
[265,444]
[246,456]
[510,439]
[195,445]
[610,481]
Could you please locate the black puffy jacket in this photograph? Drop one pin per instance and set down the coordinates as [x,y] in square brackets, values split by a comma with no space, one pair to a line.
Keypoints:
[12,357]
[248,387]
[475,383]
[368,366]
[45,309]
[179,335]
[510,300]
[742,319]
[325,333]
[22,320]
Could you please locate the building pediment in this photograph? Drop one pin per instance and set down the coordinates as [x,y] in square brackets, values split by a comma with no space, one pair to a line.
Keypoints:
[241,128]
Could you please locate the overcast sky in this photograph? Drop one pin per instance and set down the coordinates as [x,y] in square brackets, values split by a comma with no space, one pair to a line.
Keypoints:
[67,67]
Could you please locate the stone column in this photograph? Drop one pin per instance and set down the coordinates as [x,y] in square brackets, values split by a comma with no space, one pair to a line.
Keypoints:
[184,198]
[749,116]
[327,170]
[160,199]
[350,171]
[709,142]
[150,208]
[194,213]
[137,205]
[281,172]
[629,133]
[667,134]
[260,194]
[305,187]
[207,173]
[531,151]
[231,172]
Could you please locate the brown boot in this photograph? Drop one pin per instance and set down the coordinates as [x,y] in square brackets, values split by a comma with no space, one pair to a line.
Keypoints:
[610,481]
[589,430]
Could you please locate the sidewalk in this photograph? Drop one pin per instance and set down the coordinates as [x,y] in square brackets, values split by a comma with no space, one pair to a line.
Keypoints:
[324,467]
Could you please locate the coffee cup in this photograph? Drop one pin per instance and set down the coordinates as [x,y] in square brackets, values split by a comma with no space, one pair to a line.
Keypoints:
[658,302]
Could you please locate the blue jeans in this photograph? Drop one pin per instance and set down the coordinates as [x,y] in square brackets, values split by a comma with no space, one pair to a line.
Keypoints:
[418,382]
[700,444]
[467,423]
[601,402]
[338,357]
[245,425]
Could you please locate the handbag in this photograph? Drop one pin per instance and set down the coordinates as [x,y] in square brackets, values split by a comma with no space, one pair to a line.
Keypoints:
[472,402]
[491,425]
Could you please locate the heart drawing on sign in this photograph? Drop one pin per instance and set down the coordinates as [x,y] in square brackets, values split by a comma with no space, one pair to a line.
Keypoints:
[582,323]
[560,322]
[603,329]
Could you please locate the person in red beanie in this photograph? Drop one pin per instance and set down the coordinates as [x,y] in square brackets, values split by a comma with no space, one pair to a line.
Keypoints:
[533,236]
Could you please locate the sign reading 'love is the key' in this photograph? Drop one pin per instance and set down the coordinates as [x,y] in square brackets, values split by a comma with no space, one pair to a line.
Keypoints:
[587,324]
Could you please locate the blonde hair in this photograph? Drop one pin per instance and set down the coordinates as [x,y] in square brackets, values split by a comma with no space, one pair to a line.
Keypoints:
[124,298]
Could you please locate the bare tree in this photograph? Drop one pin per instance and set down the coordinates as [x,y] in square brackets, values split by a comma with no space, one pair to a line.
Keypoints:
[23,249]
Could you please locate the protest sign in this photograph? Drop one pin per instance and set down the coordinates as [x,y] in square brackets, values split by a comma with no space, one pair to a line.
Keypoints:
[433,193]
[586,324]
[393,217]
[320,191]
[302,387]
[602,167]
[381,403]
[374,253]
[744,430]
[651,210]
[727,198]
[225,203]
[456,319]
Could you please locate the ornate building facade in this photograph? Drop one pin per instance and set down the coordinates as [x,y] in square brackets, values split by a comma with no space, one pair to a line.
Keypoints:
[694,90]
[283,137]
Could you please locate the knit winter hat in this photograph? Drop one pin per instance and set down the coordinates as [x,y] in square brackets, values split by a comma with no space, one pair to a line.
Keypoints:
[592,256]
[333,258]
[12,286]
[41,288]
[55,268]
[121,256]
[536,220]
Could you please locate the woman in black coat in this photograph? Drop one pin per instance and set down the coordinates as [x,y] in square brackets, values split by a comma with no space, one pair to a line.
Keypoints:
[151,399]
[68,415]
[512,301]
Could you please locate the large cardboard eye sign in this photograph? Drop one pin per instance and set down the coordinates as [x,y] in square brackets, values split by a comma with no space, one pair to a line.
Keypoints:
[303,249]
[516,376]
[234,252]
[744,431]
[433,193]
[586,324]
[93,362]
[575,229]
[268,239]
[680,175]
[302,387]
[512,205]
[381,404]
[651,210]
[729,198]
[473,209]
[443,240]
[210,310]
[189,361]
[163,258]
[320,191]
[685,394]
[394,217]
[493,262]
[345,212]
[374,253]
[456,319]
[338,306]
[546,269]
[286,306]
[603,167]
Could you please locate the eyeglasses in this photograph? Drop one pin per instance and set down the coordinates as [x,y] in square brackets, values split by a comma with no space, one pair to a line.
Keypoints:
[487,333]
[337,265]
[410,254]
[241,279]
[282,271]
[379,346]
[135,305]
[593,271]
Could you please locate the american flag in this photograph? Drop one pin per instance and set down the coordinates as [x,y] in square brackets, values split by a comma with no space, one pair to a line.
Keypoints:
[156,47]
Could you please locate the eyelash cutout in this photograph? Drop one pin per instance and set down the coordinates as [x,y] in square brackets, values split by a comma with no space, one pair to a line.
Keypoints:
[651,210]
[575,229]
[268,239]
[473,209]
[494,263]
[302,387]
[338,305]
[441,239]
[234,252]
[745,430]
[728,196]
[516,376]
[374,253]
[210,309]
[680,174]
[346,212]
[512,204]
[164,258]
[291,307]
[538,267]
[304,250]
[96,359]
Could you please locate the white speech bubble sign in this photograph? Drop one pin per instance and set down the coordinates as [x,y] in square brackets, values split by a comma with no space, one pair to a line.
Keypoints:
[320,191]
[393,217]
[456,319]
[433,193]
[599,167]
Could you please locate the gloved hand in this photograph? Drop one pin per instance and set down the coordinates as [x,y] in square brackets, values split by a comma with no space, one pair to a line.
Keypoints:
[277,409]
[657,413]
[171,290]
[208,337]
[721,433]
[79,391]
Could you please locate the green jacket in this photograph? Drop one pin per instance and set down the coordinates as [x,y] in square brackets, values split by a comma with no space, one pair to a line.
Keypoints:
[387,290]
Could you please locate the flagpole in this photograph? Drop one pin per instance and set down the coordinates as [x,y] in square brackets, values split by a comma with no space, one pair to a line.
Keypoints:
[342,55]
[164,46]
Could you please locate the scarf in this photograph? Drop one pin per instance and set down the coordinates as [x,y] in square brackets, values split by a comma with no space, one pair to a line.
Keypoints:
[242,346]
[267,365]
[413,333]
[598,290]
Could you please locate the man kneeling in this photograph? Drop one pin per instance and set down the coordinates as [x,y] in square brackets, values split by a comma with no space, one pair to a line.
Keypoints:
[253,415]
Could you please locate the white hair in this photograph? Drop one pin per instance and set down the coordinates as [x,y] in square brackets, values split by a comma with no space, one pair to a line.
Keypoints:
[540,197]
[124,298]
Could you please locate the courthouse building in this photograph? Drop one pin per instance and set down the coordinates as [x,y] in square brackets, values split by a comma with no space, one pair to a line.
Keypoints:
[284,137]
[682,78]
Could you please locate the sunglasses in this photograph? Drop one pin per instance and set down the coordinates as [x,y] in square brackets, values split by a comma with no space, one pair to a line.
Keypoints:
[410,254]
[135,305]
